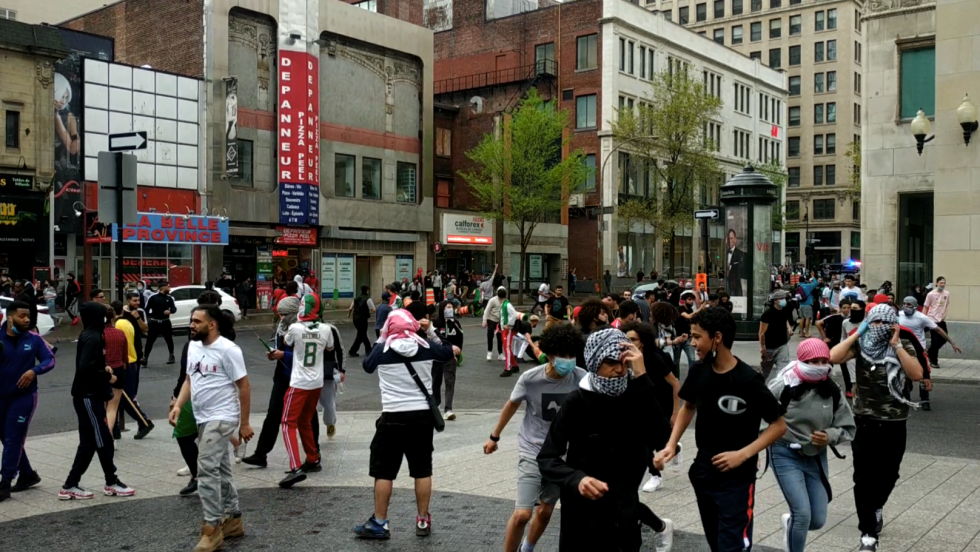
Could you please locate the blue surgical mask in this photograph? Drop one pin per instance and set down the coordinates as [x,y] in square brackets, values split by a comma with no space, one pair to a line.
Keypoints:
[564,366]
[782,303]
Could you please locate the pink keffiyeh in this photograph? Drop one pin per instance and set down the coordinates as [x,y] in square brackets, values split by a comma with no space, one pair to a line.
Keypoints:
[401,330]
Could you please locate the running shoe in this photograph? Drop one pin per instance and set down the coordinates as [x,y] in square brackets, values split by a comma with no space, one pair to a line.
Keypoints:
[423,525]
[74,493]
[143,431]
[373,529]
[506,374]
[490,356]
[331,430]
[26,481]
[311,467]
[190,489]
[118,489]
[183,472]
[653,484]
[500,356]
[663,541]
[449,415]
[868,544]
[256,460]
[293,477]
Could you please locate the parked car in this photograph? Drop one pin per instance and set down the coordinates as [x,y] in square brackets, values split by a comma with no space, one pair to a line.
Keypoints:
[185,298]
[44,321]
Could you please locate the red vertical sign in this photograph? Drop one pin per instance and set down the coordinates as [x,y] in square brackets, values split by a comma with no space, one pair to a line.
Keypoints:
[299,138]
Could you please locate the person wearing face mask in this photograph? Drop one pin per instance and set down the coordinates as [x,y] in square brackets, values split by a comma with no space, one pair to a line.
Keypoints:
[885,370]
[731,400]
[916,322]
[831,331]
[850,325]
[599,446]
[816,418]
[935,306]
[449,330]
[774,332]
[542,390]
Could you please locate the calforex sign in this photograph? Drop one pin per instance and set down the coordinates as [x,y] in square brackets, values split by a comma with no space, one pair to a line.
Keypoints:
[299,138]
[166,228]
[467,229]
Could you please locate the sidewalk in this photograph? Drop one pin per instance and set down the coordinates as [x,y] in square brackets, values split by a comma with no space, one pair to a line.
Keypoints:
[936,505]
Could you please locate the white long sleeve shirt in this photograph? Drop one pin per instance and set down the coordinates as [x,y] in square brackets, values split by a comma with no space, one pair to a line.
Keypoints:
[492,312]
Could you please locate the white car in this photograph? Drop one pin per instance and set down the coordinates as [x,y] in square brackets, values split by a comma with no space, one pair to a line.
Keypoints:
[44,321]
[185,297]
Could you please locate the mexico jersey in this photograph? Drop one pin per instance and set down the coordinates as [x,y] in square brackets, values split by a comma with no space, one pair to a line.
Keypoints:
[309,340]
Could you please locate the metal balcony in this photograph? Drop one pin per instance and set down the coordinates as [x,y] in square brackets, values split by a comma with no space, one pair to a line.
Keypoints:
[543,68]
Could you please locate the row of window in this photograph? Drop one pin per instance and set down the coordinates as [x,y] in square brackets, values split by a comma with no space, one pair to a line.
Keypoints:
[775,29]
[627,59]
[819,148]
[770,109]
[345,178]
[823,209]
[769,150]
[823,20]
[11,123]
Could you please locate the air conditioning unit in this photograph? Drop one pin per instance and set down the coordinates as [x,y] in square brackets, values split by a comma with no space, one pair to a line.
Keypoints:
[576,200]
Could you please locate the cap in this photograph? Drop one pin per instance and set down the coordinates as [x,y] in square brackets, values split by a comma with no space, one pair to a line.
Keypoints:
[575,312]
[880,298]
[812,348]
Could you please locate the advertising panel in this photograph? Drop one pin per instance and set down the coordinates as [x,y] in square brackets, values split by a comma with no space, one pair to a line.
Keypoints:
[736,259]
[19,224]
[403,267]
[299,138]
[304,237]
[345,275]
[467,229]
[164,228]
[231,126]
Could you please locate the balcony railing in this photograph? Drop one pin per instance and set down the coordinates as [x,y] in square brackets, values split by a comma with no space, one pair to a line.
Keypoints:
[545,67]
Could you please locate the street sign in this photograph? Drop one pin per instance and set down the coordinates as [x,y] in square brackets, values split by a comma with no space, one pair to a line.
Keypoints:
[127,141]
[708,214]
[437,248]
[109,181]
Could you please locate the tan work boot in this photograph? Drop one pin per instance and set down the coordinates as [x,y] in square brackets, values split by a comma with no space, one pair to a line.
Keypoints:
[232,527]
[211,538]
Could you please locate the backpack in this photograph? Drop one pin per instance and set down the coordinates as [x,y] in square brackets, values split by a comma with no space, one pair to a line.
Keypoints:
[361,311]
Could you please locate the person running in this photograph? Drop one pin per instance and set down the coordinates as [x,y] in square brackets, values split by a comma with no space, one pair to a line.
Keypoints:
[935,307]
[89,391]
[816,417]
[599,446]
[851,290]
[628,312]
[449,330]
[491,322]
[417,307]
[361,310]
[731,400]
[556,309]
[217,385]
[72,292]
[542,390]
[23,357]
[310,340]
[917,323]
[885,370]
[544,296]
[831,330]
[509,316]
[403,360]
[159,308]
[774,332]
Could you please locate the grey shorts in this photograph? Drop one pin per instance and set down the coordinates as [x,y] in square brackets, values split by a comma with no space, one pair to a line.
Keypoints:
[530,490]
[806,311]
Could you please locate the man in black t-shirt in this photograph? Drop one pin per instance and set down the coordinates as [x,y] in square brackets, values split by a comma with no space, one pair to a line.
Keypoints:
[682,326]
[774,331]
[556,309]
[731,400]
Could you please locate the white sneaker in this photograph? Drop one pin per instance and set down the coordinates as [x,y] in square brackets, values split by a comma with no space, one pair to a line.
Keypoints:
[653,484]
[449,415]
[184,471]
[664,540]
[74,493]
[118,489]
[490,355]
[500,356]
[786,535]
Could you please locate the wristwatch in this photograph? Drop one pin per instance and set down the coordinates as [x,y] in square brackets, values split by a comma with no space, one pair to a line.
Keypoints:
[494,439]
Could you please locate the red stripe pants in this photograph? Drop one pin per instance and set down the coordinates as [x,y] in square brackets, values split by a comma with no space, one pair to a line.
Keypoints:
[509,360]
[297,414]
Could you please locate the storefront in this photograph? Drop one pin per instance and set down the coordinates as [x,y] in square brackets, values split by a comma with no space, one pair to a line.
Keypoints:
[22,232]
[467,244]
[271,259]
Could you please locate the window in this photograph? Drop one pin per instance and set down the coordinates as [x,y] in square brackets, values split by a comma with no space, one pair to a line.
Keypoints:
[794,85]
[650,72]
[794,116]
[775,3]
[818,144]
[755,55]
[590,177]
[831,50]
[795,25]
[818,114]
[831,113]
[683,14]
[857,51]
[8,14]
[818,52]
[831,175]
[793,147]
[795,2]
[857,20]
[444,142]
[742,144]
[831,81]
[819,21]
[643,62]
[857,114]
[736,7]
[371,179]
[720,36]
[856,211]
[831,144]
[756,5]
[702,33]
[405,185]
[719,9]
[818,175]
[12,126]
[585,111]
[586,52]
[343,174]
[629,56]
[544,58]
[369,5]
[775,28]
[622,54]
[245,164]
[917,84]
[832,18]
[776,58]
[818,85]
[702,12]
[795,53]
[823,209]
[756,30]
[857,82]
[793,210]
[742,98]
[712,84]
[712,132]
[737,34]
[794,176]
[444,194]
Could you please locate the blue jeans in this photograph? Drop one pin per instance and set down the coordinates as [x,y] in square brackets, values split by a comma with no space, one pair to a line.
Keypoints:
[688,350]
[801,479]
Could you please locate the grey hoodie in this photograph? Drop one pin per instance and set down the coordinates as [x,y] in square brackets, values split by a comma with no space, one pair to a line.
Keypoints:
[813,413]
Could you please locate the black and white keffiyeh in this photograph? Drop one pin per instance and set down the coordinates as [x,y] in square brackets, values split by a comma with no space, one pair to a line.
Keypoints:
[603,345]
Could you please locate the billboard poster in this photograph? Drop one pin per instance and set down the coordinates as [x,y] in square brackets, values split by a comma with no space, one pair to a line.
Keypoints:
[736,259]
[345,275]
[299,138]
[328,275]
[19,224]
[231,126]
[403,267]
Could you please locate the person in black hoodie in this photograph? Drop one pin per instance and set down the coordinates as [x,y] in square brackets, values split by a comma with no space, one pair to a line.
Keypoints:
[89,391]
[601,443]
[449,330]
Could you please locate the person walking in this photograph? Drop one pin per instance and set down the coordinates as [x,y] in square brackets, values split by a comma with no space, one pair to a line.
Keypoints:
[403,360]
[556,309]
[89,391]
[334,374]
[508,318]
[437,285]
[243,293]
[817,417]
[572,282]
[72,293]
[381,313]
[935,307]
[50,296]
[217,385]
[159,308]
[116,357]
[449,330]
[361,308]
[491,322]
[23,357]
[542,390]
[774,332]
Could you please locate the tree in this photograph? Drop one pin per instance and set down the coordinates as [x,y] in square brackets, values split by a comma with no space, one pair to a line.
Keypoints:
[670,134]
[519,175]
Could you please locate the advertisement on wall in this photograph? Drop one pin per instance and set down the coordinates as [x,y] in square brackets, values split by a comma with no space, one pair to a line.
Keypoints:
[736,261]
[534,266]
[328,275]
[299,138]
[467,230]
[345,275]
[19,224]
[403,267]
[165,228]
[231,126]
[303,237]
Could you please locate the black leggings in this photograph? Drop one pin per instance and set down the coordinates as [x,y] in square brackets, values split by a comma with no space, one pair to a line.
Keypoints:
[491,330]
[188,449]
[648,518]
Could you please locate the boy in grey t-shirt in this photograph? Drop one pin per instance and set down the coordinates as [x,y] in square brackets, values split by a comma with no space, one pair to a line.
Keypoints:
[542,390]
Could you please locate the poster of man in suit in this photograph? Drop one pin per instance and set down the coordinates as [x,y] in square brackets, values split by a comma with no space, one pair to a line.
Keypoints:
[736,260]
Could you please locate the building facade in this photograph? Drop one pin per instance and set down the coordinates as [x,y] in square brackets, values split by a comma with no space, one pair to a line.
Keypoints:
[820,45]
[35,13]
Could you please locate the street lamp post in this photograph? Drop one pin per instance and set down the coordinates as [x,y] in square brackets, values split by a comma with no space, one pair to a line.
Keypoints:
[806,239]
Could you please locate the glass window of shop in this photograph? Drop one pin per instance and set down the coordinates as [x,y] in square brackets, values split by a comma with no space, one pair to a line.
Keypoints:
[683,259]
[635,251]
[154,262]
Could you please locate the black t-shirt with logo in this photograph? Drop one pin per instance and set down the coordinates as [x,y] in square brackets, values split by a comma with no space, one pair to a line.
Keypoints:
[730,408]
[776,333]
[559,306]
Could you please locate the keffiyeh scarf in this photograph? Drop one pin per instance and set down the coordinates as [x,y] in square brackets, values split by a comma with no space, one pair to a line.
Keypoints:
[876,349]
[401,326]
[288,309]
[605,345]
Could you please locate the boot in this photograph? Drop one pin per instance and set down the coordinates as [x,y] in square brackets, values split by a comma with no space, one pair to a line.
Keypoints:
[211,538]
[233,526]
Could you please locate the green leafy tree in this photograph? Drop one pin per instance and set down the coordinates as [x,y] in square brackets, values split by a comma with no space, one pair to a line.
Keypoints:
[668,134]
[519,175]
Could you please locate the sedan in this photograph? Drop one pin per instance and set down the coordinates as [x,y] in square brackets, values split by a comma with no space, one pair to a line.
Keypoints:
[185,298]
[44,321]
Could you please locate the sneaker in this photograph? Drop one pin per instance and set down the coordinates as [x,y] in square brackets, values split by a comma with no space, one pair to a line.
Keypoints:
[515,369]
[118,489]
[4,489]
[490,356]
[74,493]
[26,481]
[926,407]
[506,374]
[331,430]
[74,321]
[449,415]
[786,519]
[292,477]
[500,356]
[653,484]
[879,521]
[663,541]
[170,359]
[240,452]
[190,489]
[353,354]
[423,525]
[311,467]
[868,544]
[373,529]
[183,472]
[143,431]
[849,395]
[233,526]
[211,539]
[935,364]
[256,460]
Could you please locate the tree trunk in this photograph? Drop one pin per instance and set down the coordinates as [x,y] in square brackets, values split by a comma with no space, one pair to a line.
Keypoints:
[670,255]
[521,276]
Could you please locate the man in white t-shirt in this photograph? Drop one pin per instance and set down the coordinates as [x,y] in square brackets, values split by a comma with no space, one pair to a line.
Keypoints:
[851,290]
[217,385]
[544,295]
[310,340]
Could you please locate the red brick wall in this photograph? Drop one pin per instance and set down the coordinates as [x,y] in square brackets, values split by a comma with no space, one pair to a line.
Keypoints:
[582,238]
[167,35]
[406,10]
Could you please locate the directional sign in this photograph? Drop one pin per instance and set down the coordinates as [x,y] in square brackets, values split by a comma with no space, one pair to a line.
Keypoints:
[127,141]
[711,214]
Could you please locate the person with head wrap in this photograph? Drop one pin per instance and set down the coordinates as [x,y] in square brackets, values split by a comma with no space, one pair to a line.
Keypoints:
[884,370]
[491,321]
[600,444]
[817,417]
[915,322]
[509,320]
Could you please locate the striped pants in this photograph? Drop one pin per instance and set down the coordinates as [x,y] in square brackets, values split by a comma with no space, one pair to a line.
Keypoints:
[509,360]
[300,404]
[93,437]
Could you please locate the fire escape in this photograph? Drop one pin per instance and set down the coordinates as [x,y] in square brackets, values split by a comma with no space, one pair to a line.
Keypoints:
[542,74]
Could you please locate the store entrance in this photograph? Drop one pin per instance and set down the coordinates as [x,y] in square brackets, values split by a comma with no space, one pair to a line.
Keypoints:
[362,274]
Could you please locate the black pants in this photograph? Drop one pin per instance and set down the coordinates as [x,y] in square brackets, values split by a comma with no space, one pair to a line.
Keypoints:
[726,507]
[491,330]
[361,327]
[188,449]
[273,416]
[648,518]
[159,329]
[848,384]
[437,294]
[129,403]
[878,449]
[937,342]
[93,437]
